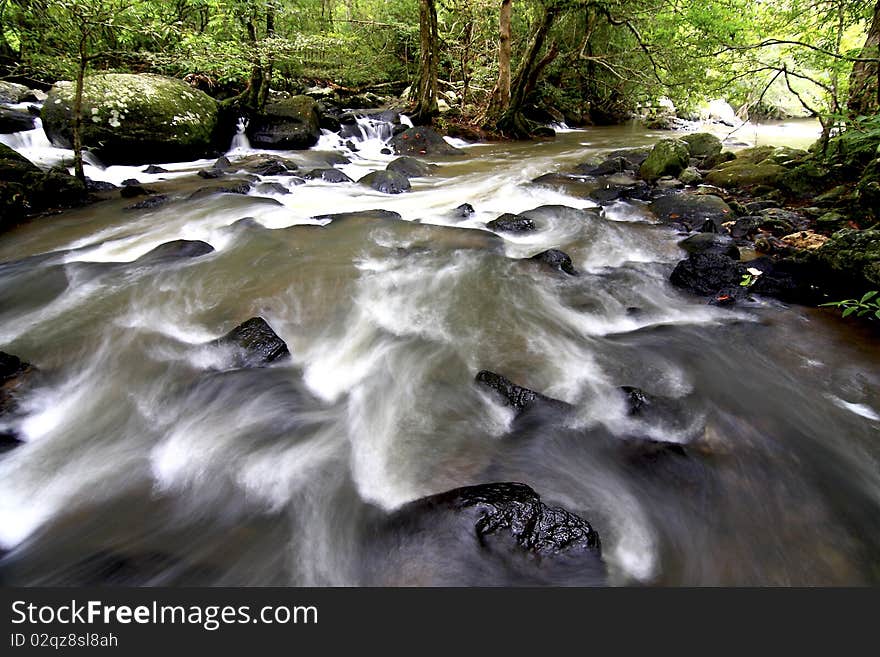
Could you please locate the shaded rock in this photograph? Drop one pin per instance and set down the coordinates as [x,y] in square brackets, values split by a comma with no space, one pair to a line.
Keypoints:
[669,157]
[133,191]
[411,167]
[255,342]
[16,376]
[558,260]
[129,118]
[853,255]
[210,174]
[205,192]
[710,243]
[787,279]
[702,144]
[288,124]
[12,93]
[422,141]
[691,210]
[606,167]
[521,399]
[149,203]
[99,185]
[154,169]
[381,215]
[512,223]
[635,156]
[12,120]
[328,175]
[708,274]
[690,176]
[175,250]
[387,182]
[714,161]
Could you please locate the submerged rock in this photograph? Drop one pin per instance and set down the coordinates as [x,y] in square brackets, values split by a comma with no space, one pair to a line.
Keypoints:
[174,250]
[519,398]
[387,182]
[558,260]
[255,342]
[422,141]
[149,203]
[129,118]
[463,210]
[289,124]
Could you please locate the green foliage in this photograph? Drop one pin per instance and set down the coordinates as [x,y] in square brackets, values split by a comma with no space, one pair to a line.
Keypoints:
[868,306]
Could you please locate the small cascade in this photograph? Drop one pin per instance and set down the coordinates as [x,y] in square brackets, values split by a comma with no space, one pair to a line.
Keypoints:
[405,120]
[35,146]
[240,141]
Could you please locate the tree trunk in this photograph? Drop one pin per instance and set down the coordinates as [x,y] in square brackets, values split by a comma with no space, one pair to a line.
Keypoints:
[78,169]
[501,93]
[512,122]
[426,86]
[864,81]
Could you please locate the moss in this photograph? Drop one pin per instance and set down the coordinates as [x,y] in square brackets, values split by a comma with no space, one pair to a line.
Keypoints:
[669,157]
[702,144]
[854,254]
[743,173]
[805,179]
[134,118]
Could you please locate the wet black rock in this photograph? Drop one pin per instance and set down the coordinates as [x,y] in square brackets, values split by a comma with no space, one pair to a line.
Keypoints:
[519,398]
[99,185]
[708,274]
[512,509]
[788,279]
[255,343]
[422,141]
[411,167]
[210,174]
[387,182]
[175,250]
[691,210]
[266,165]
[15,376]
[149,203]
[710,243]
[12,120]
[289,124]
[155,169]
[328,175]
[222,163]
[512,223]
[558,260]
[609,166]
[463,210]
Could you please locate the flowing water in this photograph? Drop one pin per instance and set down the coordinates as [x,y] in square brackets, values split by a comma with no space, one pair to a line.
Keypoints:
[149,459]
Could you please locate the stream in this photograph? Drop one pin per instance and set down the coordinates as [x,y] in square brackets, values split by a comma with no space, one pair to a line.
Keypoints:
[151,459]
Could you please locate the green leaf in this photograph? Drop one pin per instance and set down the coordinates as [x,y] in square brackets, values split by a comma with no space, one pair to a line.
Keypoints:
[868,296]
[849,311]
[877,314]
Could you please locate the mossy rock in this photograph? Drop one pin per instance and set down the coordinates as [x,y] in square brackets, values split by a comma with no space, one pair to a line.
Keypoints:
[702,144]
[854,255]
[740,173]
[805,179]
[290,124]
[129,119]
[669,157]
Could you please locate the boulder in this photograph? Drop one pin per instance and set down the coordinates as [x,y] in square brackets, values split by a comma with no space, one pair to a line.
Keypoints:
[289,124]
[558,260]
[12,93]
[740,173]
[267,165]
[422,140]
[691,176]
[387,182]
[411,167]
[702,145]
[853,255]
[255,344]
[710,243]
[512,223]
[128,119]
[708,274]
[691,211]
[12,120]
[669,157]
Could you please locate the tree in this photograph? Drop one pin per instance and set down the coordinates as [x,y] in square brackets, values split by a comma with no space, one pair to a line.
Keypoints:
[500,98]
[425,88]
[864,82]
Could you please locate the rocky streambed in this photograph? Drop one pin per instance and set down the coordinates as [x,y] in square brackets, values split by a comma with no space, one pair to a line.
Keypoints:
[386,359]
